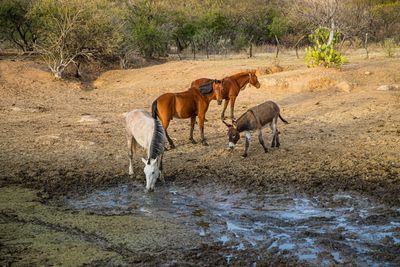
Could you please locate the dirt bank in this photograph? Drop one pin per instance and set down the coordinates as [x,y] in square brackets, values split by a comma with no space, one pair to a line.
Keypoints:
[343,134]
[62,137]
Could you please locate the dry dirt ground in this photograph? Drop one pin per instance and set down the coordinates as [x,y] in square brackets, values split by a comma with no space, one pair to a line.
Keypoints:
[62,137]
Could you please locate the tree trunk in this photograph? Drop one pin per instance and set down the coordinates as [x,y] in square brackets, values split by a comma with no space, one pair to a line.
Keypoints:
[58,71]
[122,62]
[22,35]
[57,74]
[251,46]
[77,73]
[296,46]
[251,50]
[277,46]
[179,48]
[332,32]
[194,50]
[15,41]
[366,44]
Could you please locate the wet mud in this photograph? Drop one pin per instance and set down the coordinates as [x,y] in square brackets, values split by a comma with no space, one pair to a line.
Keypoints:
[323,230]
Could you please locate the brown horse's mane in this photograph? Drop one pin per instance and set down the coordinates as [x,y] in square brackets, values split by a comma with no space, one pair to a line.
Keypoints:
[242,73]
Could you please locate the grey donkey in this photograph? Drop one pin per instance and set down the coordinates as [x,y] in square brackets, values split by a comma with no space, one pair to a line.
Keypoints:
[255,119]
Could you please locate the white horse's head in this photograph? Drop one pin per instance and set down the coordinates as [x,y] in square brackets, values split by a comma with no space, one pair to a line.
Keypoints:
[152,172]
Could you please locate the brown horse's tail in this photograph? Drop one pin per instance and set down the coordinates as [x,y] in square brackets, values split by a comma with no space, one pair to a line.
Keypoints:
[154,109]
[282,119]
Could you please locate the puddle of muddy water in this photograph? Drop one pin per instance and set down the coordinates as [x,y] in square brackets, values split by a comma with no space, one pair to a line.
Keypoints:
[321,230]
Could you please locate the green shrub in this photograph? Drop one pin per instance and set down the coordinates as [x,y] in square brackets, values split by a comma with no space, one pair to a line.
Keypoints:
[240,42]
[389,47]
[149,38]
[149,29]
[15,26]
[321,53]
[357,43]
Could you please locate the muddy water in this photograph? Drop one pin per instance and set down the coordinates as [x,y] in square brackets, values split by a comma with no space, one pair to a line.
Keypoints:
[341,228]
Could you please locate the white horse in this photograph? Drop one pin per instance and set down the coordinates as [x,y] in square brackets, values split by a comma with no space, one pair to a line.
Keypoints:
[149,133]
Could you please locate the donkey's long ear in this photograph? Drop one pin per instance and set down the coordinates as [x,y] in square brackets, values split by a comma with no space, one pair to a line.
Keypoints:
[227,124]
[144,161]
[234,123]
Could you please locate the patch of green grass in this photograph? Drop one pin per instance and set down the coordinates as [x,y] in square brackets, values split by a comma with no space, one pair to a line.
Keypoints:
[34,245]
[51,235]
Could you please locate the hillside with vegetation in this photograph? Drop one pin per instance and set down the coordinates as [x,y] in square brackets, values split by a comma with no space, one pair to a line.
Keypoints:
[69,32]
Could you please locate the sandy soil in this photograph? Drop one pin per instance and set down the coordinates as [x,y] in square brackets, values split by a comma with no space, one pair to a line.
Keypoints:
[56,135]
[63,137]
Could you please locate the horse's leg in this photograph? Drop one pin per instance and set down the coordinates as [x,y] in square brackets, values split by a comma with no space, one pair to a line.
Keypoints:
[277,143]
[130,153]
[233,99]
[247,138]
[224,108]
[171,143]
[192,123]
[165,123]
[201,126]
[273,128]
[261,140]
[273,135]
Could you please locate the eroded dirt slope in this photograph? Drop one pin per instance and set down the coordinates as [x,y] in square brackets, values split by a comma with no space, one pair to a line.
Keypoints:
[343,133]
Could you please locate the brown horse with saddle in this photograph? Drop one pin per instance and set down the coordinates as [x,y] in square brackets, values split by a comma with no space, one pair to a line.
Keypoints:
[189,104]
[232,86]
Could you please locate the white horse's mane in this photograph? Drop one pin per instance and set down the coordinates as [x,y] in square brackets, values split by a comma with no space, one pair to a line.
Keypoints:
[157,142]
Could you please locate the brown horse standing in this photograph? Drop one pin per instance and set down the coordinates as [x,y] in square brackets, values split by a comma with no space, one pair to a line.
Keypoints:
[188,104]
[232,86]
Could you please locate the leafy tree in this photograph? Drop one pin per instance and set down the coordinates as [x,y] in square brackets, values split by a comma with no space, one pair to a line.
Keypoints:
[253,26]
[149,38]
[211,28]
[69,29]
[387,16]
[277,29]
[149,29]
[15,26]
[184,33]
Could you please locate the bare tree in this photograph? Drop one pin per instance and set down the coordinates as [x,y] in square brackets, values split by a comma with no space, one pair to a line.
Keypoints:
[71,30]
[314,14]
[56,50]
